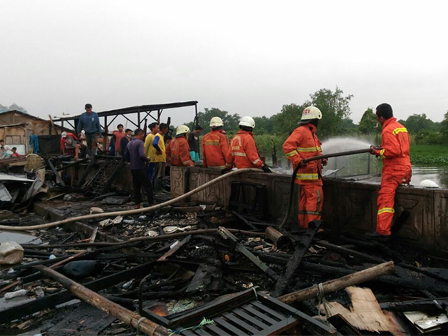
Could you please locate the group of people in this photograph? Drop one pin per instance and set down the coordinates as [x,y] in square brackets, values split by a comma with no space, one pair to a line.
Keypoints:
[303,144]
[4,151]
[242,152]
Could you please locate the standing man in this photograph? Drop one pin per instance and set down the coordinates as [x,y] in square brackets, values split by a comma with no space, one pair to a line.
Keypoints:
[154,128]
[243,152]
[124,141]
[2,144]
[119,134]
[193,143]
[135,153]
[178,150]
[303,144]
[215,146]
[90,122]
[394,151]
[70,144]
[158,156]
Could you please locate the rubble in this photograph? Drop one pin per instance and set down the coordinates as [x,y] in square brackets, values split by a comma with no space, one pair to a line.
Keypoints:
[193,269]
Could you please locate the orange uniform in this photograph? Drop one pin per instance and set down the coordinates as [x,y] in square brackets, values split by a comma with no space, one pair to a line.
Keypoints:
[303,144]
[214,149]
[395,143]
[178,152]
[243,152]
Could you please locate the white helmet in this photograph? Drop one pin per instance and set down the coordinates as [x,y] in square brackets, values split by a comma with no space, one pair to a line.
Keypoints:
[63,134]
[182,129]
[216,122]
[311,112]
[247,121]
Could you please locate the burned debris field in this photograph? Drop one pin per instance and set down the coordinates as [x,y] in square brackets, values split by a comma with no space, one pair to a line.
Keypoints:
[196,269]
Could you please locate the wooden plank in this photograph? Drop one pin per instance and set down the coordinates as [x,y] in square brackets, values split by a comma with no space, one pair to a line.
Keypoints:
[251,319]
[229,326]
[259,314]
[267,310]
[242,324]
[365,313]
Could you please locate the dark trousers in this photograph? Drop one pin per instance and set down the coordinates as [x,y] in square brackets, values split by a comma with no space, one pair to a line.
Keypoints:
[141,179]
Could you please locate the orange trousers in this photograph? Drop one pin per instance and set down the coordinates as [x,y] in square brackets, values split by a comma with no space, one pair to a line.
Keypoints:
[386,199]
[310,204]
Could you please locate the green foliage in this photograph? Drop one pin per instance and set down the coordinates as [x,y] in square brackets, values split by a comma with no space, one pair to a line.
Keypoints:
[288,119]
[369,123]
[444,128]
[425,137]
[264,125]
[230,120]
[429,154]
[417,122]
[334,107]
[266,144]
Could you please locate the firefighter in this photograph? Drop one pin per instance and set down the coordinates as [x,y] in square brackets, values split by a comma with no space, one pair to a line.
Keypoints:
[215,146]
[243,152]
[394,151]
[178,152]
[302,144]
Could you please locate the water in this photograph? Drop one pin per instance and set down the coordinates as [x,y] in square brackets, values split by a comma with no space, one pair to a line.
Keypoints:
[438,174]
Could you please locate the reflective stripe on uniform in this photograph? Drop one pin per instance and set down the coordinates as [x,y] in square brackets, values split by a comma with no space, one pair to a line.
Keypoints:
[255,162]
[399,130]
[308,149]
[307,176]
[305,212]
[235,147]
[319,200]
[382,154]
[186,162]
[385,210]
[220,167]
[212,142]
[239,154]
[294,152]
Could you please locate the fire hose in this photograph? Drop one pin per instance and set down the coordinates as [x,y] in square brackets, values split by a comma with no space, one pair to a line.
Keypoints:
[305,161]
[133,211]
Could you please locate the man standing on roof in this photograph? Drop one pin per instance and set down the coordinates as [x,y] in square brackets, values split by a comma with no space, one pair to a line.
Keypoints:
[70,144]
[193,143]
[90,122]
[394,150]
[135,153]
[158,156]
[215,146]
[303,144]
[119,134]
[243,152]
[178,151]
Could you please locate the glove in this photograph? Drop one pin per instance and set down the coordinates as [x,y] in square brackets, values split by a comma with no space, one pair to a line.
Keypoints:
[266,169]
[324,162]
[225,171]
[374,149]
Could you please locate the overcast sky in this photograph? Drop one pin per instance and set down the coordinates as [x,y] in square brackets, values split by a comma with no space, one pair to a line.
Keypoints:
[245,57]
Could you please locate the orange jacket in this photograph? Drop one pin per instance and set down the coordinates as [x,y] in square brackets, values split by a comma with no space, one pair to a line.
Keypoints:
[303,144]
[214,149]
[69,135]
[395,141]
[243,152]
[178,152]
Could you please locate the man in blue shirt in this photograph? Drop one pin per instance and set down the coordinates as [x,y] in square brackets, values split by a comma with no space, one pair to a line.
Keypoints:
[90,122]
[135,154]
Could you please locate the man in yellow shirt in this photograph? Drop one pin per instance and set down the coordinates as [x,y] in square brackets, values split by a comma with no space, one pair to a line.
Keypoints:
[157,154]
[154,128]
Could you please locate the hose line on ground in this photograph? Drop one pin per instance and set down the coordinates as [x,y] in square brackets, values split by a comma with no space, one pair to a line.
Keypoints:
[133,211]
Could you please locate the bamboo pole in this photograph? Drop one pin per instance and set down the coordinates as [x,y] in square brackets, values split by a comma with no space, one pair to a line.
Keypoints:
[340,283]
[135,320]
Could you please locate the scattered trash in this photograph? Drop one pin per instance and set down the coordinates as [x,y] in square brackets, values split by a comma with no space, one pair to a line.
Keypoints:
[11,253]
[96,210]
[11,295]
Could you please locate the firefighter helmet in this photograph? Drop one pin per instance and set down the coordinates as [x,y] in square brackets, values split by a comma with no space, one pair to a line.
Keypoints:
[311,112]
[182,129]
[216,122]
[247,121]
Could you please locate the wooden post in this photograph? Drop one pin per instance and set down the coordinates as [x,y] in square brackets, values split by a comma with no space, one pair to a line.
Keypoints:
[137,321]
[340,283]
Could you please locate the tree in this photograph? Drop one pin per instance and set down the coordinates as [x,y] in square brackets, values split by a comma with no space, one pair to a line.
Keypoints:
[444,128]
[368,123]
[334,107]
[230,121]
[264,125]
[288,119]
[417,122]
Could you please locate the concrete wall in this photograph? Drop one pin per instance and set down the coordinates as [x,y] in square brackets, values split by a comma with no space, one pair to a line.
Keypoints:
[349,204]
